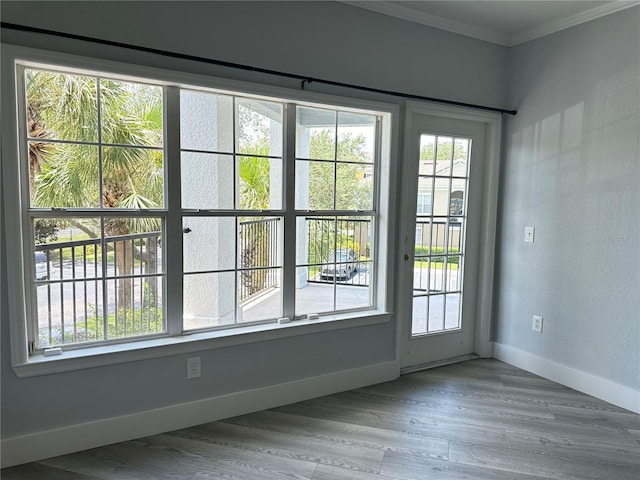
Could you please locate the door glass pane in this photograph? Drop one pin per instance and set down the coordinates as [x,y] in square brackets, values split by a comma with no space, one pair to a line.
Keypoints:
[444,154]
[441,197]
[439,242]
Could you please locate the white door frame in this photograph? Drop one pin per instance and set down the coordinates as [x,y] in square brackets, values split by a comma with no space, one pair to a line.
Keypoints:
[482,344]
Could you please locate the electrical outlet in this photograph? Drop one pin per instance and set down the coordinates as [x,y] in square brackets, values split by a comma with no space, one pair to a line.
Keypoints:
[529,234]
[193,367]
[536,326]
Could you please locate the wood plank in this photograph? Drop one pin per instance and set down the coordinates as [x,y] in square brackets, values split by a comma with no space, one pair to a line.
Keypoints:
[36,471]
[538,464]
[407,467]
[577,448]
[287,446]
[345,434]
[445,428]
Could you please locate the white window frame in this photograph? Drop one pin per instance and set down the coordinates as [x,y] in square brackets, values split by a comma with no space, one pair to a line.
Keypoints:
[175,342]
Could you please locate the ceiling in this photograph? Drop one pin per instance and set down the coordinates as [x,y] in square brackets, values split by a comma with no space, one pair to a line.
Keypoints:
[505,22]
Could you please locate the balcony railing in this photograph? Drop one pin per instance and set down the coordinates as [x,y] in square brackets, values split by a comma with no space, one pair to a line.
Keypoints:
[258,254]
[91,290]
[328,240]
[95,290]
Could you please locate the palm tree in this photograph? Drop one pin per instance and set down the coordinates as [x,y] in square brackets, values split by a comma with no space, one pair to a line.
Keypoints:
[64,107]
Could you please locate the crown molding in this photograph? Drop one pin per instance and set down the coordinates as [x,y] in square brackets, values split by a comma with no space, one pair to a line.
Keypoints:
[400,11]
[571,21]
[393,9]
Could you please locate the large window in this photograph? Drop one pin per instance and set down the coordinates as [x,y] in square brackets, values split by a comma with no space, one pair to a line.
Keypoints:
[277,203]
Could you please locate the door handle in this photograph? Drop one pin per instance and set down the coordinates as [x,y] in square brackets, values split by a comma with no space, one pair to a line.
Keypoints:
[406,257]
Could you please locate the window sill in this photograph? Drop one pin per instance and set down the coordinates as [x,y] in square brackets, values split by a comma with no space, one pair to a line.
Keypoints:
[167,346]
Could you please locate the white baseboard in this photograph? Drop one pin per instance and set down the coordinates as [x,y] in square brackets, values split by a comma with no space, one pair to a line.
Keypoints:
[593,385]
[73,438]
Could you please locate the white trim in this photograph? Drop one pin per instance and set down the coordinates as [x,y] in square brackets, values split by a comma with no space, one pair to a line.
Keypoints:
[394,9]
[416,16]
[484,305]
[584,382]
[61,441]
[568,22]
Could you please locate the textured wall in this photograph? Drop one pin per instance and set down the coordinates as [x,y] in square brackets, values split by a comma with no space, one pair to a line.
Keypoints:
[572,170]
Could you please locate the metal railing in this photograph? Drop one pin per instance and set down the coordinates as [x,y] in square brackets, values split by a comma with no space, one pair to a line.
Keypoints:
[259,247]
[328,239]
[93,289]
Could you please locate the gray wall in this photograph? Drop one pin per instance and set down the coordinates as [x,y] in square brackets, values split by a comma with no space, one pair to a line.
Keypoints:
[320,39]
[572,170]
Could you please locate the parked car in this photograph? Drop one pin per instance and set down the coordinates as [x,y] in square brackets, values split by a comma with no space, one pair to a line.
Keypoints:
[42,266]
[343,264]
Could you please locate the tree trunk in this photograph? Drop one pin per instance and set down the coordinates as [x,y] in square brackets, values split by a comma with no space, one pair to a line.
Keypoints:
[124,263]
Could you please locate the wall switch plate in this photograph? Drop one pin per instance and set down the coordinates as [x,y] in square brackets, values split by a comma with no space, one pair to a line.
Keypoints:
[193,368]
[536,326]
[529,233]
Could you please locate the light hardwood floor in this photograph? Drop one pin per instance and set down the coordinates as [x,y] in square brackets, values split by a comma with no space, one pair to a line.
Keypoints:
[478,420]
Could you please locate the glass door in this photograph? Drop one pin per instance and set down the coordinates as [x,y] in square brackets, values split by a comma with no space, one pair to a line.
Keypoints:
[443,207]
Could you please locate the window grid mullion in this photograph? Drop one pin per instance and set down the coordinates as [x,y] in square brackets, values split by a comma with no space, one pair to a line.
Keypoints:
[289,270]
[173,227]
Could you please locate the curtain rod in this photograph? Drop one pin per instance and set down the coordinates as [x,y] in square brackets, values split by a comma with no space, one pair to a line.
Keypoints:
[303,78]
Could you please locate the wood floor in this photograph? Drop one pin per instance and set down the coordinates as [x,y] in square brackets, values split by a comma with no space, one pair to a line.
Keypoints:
[477,420]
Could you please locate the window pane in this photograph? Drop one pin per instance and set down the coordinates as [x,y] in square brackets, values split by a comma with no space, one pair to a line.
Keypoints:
[67,248]
[206,121]
[315,239]
[315,185]
[207,181]
[209,300]
[265,303]
[132,178]
[209,244]
[131,113]
[64,175]
[349,296]
[315,133]
[105,278]
[260,243]
[312,295]
[259,127]
[61,106]
[356,137]
[260,183]
[354,187]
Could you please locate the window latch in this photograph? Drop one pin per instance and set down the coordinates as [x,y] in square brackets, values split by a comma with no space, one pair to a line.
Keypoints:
[186,230]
